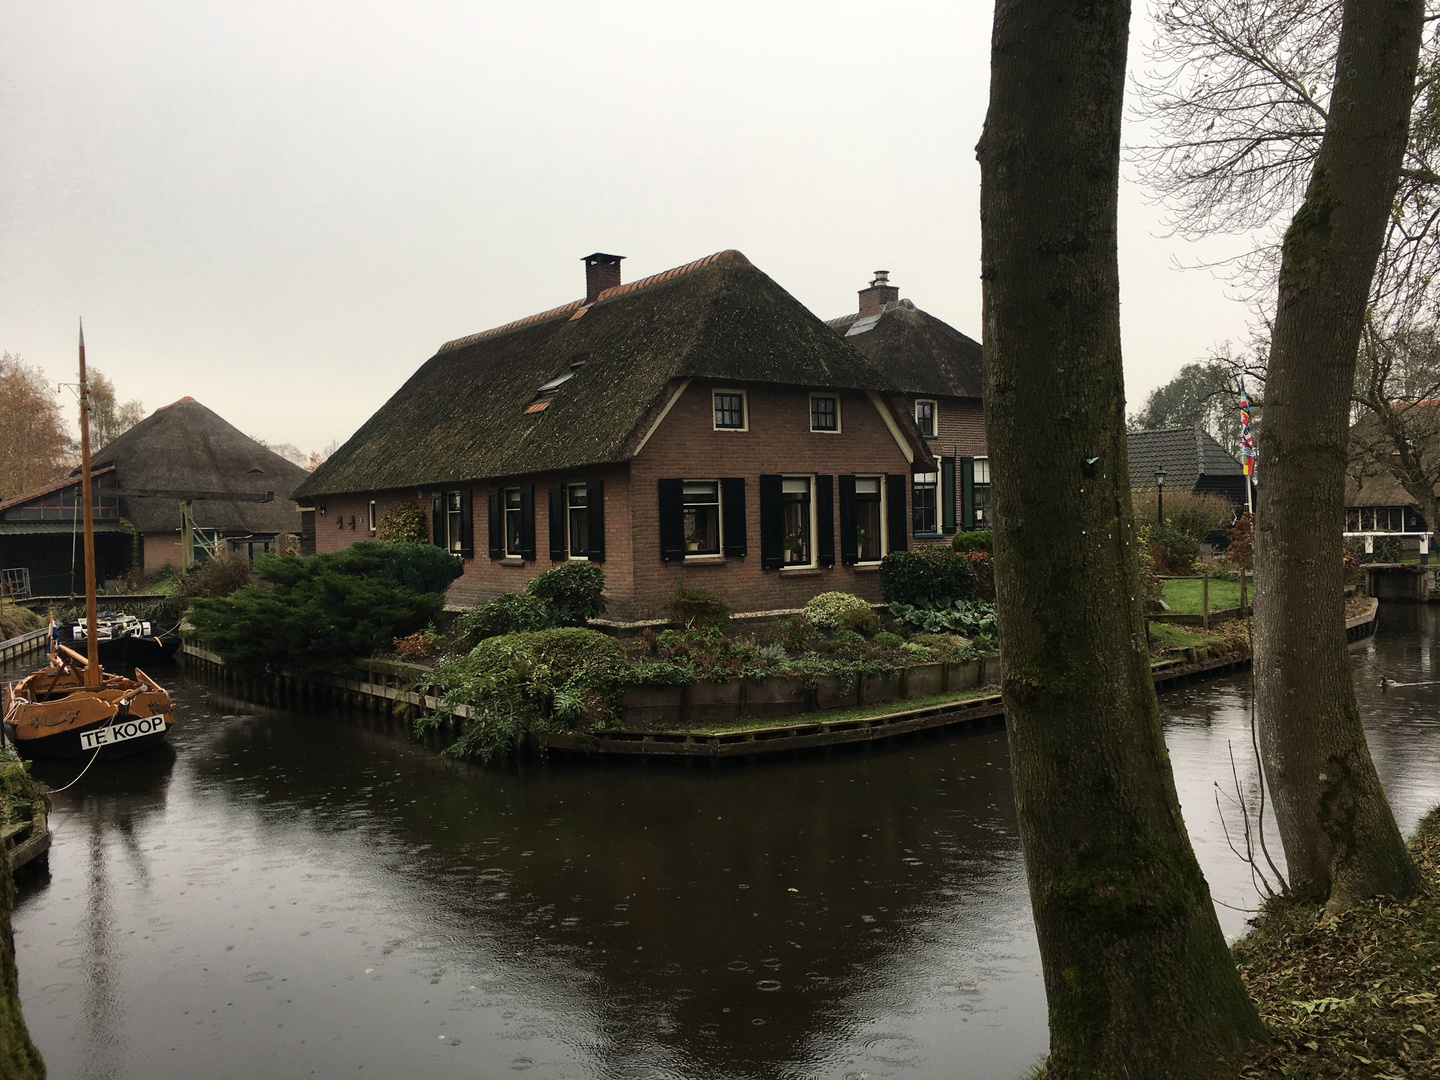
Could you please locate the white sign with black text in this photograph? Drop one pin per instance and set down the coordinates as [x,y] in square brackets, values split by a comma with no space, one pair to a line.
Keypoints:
[128,729]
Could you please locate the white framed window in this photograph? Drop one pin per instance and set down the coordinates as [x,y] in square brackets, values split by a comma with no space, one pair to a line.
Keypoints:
[514,513]
[982,492]
[825,412]
[731,410]
[925,503]
[700,502]
[372,515]
[453,534]
[798,509]
[577,520]
[870,538]
[927,417]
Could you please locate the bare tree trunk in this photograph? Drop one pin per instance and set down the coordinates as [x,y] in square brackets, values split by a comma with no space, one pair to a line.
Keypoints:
[1339,835]
[19,1060]
[1137,975]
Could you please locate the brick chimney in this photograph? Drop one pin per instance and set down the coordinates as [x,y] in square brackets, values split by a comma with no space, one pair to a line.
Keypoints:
[873,299]
[601,272]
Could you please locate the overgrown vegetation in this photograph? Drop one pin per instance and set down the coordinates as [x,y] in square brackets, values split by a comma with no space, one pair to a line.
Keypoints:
[570,594]
[511,686]
[402,523]
[1353,995]
[1196,515]
[16,620]
[694,605]
[219,575]
[316,615]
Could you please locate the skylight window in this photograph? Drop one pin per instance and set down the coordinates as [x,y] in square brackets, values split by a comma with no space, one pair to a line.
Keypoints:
[546,393]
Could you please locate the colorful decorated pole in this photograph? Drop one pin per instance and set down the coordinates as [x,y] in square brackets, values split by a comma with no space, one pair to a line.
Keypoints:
[1247,446]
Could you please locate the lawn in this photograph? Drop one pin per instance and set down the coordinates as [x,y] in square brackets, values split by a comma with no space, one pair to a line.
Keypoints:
[1183,594]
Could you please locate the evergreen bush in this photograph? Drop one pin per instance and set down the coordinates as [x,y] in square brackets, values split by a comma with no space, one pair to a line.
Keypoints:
[692,605]
[828,611]
[975,540]
[321,612]
[932,575]
[508,613]
[1173,550]
[574,592]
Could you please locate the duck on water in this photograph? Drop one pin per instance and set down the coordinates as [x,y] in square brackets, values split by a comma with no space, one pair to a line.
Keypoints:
[73,708]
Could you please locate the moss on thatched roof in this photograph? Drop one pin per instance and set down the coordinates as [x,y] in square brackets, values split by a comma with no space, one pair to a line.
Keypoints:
[915,351]
[185,446]
[463,416]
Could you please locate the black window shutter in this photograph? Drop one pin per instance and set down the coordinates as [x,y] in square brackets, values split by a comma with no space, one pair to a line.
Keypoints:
[496,522]
[967,493]
[849,542]
[732,512]
[947,494]
[595,520]
[558,553]
[672,520]
[437,519]
[897,520]
[467,527]
[527,522]
[772,521]
[825,520]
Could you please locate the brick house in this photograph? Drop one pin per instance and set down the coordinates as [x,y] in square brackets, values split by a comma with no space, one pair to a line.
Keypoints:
[937,371]
[700,423]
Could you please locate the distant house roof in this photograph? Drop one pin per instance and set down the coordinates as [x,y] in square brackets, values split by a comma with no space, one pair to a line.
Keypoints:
[185,446]
[47,489]
[579,385]
[1186,453]
[916,352]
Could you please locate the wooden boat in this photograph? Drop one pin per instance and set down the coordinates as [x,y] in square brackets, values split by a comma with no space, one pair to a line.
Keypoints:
[73,708]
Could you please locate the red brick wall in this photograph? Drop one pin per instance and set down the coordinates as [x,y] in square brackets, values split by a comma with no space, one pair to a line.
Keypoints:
[157,549]
[961,427]
[779,440]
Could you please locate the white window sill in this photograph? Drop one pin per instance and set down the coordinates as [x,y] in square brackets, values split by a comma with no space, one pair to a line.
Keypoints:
[514,561]
[865,567]
[801,571]
[701,560]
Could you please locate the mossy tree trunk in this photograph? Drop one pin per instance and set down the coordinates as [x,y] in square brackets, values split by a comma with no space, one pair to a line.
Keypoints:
[1138,978]
[1339,836]
[19,1060]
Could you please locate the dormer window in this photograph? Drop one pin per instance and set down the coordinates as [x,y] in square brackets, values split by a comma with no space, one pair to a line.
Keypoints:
[547,393]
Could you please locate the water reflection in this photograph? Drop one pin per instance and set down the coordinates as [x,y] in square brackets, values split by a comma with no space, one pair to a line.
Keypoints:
[296,895]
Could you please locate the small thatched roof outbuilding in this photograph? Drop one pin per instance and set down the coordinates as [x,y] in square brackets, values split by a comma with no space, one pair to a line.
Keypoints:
[580,385]
[186,447]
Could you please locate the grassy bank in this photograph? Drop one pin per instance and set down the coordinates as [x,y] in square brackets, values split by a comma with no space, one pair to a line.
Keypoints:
[1353,996]
[1183,595]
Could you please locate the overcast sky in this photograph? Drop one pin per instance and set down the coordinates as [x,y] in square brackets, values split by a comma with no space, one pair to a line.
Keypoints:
[283,209]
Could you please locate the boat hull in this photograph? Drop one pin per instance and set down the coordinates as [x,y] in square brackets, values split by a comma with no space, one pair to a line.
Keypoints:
[48,716]
[71,743]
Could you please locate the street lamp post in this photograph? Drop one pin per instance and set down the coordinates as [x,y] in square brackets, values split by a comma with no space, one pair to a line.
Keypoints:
[1160,496]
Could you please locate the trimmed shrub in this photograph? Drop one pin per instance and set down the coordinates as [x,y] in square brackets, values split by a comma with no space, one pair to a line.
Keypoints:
[424,568]
[219,575]
[932,575]
[887,640]
[508,613]
[574,592]
[403,523]
[827,610]
[692,605]
[975,540]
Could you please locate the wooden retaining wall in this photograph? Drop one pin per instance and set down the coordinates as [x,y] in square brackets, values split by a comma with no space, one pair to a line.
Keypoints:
[17,648]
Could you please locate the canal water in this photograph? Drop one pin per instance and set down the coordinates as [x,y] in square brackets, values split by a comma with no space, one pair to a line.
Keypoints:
[291,895]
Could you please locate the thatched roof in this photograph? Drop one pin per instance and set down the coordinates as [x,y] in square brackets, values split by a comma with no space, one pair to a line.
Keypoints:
[470,412]
[916,352]
[185,446]
[1187,454]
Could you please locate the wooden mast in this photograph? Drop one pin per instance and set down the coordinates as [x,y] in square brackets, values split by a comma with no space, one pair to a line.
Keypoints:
[93,675]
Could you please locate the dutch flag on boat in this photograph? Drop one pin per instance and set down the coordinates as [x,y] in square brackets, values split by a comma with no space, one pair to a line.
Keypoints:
[52,635]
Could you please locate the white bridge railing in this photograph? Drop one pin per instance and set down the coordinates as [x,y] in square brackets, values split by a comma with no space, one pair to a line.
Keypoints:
[1370,536]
